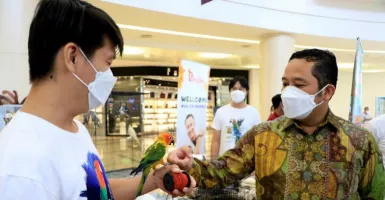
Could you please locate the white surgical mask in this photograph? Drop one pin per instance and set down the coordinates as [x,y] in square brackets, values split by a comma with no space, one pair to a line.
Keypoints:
[100,88]
[298,104]
[237,96]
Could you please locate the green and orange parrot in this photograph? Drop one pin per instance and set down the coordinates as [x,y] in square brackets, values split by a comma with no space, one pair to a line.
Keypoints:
[152,157]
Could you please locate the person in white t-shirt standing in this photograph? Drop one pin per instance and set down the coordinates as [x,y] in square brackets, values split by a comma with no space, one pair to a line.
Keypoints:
[44,153]
[377,127]
[233,120]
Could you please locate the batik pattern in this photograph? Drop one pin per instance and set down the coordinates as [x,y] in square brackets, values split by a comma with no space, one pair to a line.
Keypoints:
[337,161]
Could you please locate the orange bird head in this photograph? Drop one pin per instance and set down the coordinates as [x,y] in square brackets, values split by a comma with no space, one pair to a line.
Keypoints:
[166,138]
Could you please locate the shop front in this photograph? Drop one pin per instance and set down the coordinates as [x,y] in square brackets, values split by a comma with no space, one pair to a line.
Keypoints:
[143,104]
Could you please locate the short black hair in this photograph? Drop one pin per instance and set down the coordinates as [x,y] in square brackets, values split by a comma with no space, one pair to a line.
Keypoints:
[325,68]
[58,22]
[241,80]
[276,100]
[188,116]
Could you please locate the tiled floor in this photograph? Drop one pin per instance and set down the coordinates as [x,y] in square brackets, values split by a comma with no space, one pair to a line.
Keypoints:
[118,153]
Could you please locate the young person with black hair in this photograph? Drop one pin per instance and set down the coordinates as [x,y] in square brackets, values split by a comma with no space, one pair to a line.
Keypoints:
[44,153]
[233,120]
[277,107]
[308,154]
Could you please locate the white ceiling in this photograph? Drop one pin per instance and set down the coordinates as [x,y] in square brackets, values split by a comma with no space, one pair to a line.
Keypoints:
[164,48]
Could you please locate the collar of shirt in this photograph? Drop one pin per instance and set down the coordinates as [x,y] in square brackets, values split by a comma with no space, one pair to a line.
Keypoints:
[331,119]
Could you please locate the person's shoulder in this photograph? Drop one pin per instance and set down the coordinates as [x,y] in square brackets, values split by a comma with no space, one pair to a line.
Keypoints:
[274,126]
[252,109]
[223,108]
[359,136]
[23,157]
[20,129]
[263,127]
[378,121]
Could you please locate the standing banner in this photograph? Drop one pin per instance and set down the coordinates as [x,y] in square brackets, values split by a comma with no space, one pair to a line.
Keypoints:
[205,1]
[193,83]
[355,114]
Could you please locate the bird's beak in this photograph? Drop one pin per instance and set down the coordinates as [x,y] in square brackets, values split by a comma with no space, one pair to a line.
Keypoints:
[172,142]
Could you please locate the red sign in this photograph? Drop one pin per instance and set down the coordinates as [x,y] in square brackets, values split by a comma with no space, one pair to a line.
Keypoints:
[205,1]
[193,78]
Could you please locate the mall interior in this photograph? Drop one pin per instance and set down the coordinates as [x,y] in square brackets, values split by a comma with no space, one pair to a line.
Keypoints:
[248,38]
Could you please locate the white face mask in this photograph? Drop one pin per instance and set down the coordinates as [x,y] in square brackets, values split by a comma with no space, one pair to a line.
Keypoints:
[237,96]
[100,88]
[298,104]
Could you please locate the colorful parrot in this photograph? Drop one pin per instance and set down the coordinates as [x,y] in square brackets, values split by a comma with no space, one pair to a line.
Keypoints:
[236,130]
[152,157]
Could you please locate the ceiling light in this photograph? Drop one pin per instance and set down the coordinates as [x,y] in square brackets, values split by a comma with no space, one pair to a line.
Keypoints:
[373,71]
[195,35]
[345,65]
[214,55]
[338,49]
[133,51]
[252,66]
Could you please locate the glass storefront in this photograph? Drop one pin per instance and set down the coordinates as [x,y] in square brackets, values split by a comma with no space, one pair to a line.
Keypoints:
[139,108]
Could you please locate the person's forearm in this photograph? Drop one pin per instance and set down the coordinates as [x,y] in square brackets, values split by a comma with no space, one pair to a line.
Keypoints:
[215,143]
[125,189]
[221,172]
[198,145]
[214,150]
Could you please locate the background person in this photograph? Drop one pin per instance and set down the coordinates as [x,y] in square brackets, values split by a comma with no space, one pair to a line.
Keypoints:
[304,154]
[377,127]
[277,106]
[363,118]
[234,119]
[366,115]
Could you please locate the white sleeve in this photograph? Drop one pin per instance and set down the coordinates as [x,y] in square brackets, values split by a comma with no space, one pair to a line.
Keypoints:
[217,121]
[369,126]
[377,128]
[257,118]
[16,188]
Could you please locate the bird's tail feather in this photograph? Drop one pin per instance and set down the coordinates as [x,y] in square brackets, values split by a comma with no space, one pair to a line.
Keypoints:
[146,171]
[138,169]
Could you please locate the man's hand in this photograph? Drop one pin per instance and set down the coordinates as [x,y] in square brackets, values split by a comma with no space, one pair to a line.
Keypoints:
[159,174]
[182,157]
[8,97]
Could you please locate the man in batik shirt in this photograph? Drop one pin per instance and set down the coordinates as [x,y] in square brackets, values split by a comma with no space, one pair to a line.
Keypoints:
[308,154]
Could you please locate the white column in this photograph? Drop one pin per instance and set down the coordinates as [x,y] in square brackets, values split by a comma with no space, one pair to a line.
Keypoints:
[15,19]
[276,51]
[254,88]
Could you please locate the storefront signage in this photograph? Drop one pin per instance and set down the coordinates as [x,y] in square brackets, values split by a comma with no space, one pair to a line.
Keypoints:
[193,82]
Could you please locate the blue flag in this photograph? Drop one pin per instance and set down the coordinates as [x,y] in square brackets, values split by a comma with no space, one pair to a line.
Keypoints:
[355,113]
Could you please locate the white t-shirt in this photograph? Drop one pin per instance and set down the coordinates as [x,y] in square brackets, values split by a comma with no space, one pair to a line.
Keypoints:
[246,118]
[39,161]
[377,127]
